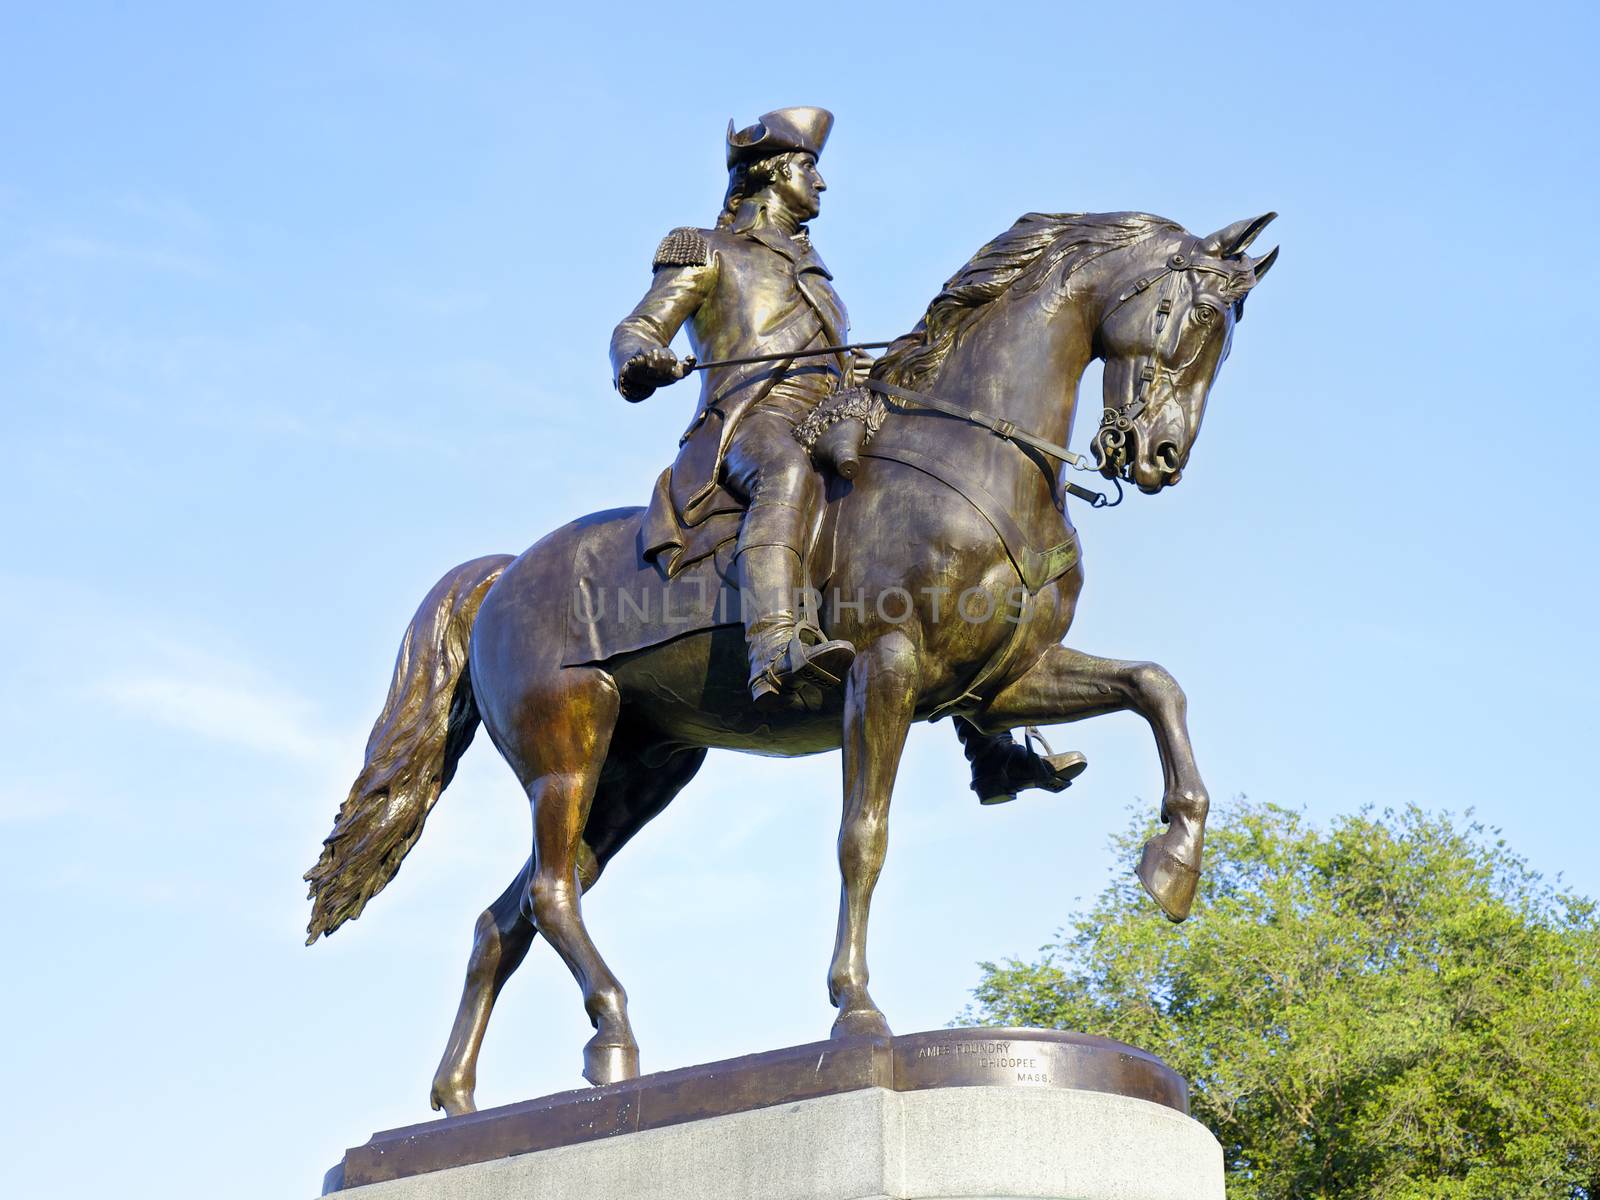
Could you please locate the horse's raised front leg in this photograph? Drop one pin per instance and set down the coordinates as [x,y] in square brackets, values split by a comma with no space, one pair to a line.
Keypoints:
[880,697]
[1066,685]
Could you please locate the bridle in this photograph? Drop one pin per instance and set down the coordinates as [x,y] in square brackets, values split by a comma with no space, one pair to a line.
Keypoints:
[1116,423]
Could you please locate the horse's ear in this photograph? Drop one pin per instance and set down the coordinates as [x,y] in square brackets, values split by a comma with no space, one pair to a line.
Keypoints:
[1236,238]
[1264,264]
[1258,270]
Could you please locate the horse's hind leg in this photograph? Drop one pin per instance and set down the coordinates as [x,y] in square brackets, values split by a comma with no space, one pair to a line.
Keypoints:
[1066,685]
[500,941]
[625,801]
[564,735]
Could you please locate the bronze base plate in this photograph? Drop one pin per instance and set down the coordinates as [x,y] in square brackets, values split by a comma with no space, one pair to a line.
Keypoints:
[944,1058]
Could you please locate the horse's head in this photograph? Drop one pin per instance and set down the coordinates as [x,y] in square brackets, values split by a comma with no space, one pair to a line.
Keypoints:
[1164,338]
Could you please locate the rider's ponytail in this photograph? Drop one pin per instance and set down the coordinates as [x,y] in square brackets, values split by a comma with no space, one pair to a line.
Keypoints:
[746,179]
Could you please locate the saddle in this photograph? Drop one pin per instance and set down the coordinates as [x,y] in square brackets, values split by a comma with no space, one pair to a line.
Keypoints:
[682,579]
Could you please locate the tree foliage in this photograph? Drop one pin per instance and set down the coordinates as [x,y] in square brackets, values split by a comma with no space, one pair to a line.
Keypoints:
[1394,1007]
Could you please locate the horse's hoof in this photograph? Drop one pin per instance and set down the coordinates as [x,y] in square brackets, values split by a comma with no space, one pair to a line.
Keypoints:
[861,1022]
[453,1100]
[607,1062]
[1171,883]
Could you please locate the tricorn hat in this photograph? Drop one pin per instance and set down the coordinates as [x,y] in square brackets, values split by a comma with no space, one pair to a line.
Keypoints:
[779,131]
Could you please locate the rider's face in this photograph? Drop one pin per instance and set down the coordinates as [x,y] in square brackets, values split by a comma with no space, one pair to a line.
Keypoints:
[800,187]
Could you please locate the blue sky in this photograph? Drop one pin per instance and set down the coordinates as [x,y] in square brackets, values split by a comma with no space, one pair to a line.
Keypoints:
[301,305]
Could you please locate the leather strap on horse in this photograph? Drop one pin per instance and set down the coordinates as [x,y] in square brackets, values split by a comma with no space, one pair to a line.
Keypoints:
[1005,429]
[1036,567]
[997,668]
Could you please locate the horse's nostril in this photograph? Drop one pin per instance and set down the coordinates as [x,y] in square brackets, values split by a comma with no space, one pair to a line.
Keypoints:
[1166,456]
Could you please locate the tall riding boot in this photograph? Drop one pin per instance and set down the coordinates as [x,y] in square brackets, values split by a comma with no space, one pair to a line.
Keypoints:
[1002,767]
[783,645]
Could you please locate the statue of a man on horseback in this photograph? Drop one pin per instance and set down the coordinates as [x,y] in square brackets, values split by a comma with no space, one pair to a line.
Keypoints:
[949,571]
[754,287]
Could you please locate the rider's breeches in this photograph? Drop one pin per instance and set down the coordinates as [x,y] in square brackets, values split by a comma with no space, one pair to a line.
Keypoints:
[773,474]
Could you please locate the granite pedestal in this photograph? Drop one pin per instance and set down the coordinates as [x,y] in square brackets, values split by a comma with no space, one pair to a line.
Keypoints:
[993,1114]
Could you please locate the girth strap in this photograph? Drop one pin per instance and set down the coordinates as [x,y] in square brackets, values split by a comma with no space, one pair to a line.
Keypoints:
[1036,567]
[996,670]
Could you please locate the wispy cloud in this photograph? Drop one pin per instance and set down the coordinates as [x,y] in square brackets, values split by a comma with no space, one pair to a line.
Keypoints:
[255,716]
[168,211]
[419,300]
[81,248]
[23,805]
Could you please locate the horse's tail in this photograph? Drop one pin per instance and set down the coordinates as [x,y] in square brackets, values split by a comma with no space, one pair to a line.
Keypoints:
[426,725]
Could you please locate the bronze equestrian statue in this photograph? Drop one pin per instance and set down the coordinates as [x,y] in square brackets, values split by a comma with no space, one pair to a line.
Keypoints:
[948,565]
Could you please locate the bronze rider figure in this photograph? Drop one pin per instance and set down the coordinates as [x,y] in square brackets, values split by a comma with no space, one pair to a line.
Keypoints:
[754,285]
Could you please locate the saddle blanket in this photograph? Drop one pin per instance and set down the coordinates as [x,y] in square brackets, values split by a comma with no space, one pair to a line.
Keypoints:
[623,602]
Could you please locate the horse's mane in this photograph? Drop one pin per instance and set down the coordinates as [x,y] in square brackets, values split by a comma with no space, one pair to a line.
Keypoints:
[1021,258]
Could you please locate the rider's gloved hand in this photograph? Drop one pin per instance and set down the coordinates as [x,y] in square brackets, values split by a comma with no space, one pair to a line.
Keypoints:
[645,372]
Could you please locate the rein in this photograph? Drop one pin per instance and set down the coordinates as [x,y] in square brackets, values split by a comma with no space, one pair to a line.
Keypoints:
[1006,430]
[1114,424]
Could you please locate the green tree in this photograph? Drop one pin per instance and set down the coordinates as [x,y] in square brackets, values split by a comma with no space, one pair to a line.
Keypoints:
[1394,1007]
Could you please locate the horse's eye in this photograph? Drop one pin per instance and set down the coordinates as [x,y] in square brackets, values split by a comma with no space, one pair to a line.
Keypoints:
[1204,313]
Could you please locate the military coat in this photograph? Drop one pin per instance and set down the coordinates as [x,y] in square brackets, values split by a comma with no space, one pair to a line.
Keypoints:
[745,290]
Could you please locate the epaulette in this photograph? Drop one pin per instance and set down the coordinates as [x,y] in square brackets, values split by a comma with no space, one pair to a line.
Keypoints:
[683,248]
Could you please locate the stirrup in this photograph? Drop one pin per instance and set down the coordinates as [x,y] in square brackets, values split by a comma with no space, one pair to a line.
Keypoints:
[823,663]
[1049,772]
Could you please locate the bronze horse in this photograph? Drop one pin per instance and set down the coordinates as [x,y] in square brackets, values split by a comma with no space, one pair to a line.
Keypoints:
[949,563]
